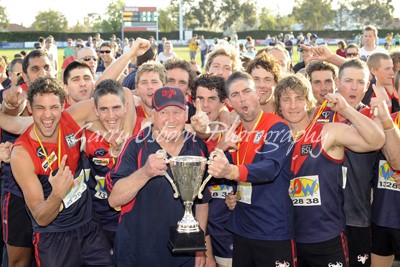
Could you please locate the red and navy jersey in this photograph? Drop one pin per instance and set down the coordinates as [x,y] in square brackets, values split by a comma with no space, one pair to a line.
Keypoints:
[144,228]
[101,162]
[358,176]
[328,115]
[8,183]
[385,210]
[316,190]
[77,205]
[264,210]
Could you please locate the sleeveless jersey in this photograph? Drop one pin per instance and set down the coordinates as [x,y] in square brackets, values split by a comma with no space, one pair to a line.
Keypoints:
[77,205]
[316,190]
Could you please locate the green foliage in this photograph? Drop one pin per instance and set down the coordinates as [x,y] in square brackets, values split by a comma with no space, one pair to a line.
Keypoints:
[167,21]
[50,20]
[314,14]
[113,18]
[377,12]
[267,20]
[4,21]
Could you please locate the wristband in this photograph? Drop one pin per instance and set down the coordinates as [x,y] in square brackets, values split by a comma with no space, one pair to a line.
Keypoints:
[234,173]
[387,124]
[8,106]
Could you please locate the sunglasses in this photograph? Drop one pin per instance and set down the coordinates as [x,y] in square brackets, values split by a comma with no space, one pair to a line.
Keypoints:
[352,54]
[87,58]
[79,45]
[105,51]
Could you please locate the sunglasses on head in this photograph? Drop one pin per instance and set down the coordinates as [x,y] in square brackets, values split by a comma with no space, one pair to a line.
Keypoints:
[87,58]
[79,45]
[352,54]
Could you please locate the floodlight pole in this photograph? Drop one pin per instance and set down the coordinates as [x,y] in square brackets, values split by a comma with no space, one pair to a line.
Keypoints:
[180,21]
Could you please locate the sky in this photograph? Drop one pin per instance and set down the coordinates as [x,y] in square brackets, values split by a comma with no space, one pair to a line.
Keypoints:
[74,10]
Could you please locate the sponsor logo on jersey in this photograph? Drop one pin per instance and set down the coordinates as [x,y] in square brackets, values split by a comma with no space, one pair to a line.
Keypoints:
[71,140]
[40,152]
[100,152]
[303,187]
[305,149]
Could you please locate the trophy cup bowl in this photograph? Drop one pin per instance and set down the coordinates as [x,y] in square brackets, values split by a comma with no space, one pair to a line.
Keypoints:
[188,172]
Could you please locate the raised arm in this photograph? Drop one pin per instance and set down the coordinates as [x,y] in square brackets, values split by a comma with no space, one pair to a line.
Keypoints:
[365,136]
[14,124]
[44,211]
[139,47]
[392,134]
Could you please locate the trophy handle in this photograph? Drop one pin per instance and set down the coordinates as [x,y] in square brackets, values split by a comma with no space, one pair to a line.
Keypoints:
[176,193]
[210,158]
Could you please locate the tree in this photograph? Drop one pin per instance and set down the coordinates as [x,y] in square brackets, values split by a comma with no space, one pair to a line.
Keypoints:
[207,15]
[4,21]
[167,20]
[377,12]
[342,15]
[51,21]
[314,14]
[113,17]
[267,20]
[78,27]
[230,12]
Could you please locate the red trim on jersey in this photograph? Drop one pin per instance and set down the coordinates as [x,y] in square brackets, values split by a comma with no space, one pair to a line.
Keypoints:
[129,206]
[294,252]
[36,236]
[4,216]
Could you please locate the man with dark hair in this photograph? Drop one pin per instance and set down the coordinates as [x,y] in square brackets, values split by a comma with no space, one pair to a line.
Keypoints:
[266,72]
[262,233]
[209,93]
[53,182]
[17,227]
[78,83]
[322,76]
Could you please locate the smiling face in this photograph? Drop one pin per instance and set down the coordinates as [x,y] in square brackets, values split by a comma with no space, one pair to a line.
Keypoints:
[293,107]
[265,84]
[111,111]
[322,83]
[46,112]
[352,85]
[80,85]
[169,123]
[147,84]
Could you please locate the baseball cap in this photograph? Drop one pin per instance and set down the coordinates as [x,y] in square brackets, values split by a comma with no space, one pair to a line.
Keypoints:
[314,36]
[168,96]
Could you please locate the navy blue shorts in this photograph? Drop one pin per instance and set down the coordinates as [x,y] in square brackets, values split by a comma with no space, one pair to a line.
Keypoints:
[17,226]
[359,240]
[385,241]
[85,246]
[252,252]
[333,251]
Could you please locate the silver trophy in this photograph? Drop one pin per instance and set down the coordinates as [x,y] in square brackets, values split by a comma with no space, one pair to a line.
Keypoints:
[188,172]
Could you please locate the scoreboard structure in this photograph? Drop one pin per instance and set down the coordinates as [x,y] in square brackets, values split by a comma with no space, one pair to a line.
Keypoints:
[139,19]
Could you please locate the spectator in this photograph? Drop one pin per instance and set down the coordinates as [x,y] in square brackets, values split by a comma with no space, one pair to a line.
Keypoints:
[193,47]
[168,53]
[341,51]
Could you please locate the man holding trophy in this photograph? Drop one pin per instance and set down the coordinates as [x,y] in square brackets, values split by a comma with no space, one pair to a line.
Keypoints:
[150,208]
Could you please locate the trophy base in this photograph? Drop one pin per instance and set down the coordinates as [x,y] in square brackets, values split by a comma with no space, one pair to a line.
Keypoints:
[186,242]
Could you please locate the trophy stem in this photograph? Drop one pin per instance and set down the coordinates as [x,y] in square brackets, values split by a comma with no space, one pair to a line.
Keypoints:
[188,224]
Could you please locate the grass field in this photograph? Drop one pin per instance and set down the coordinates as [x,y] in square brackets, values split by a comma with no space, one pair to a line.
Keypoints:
[182,52]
